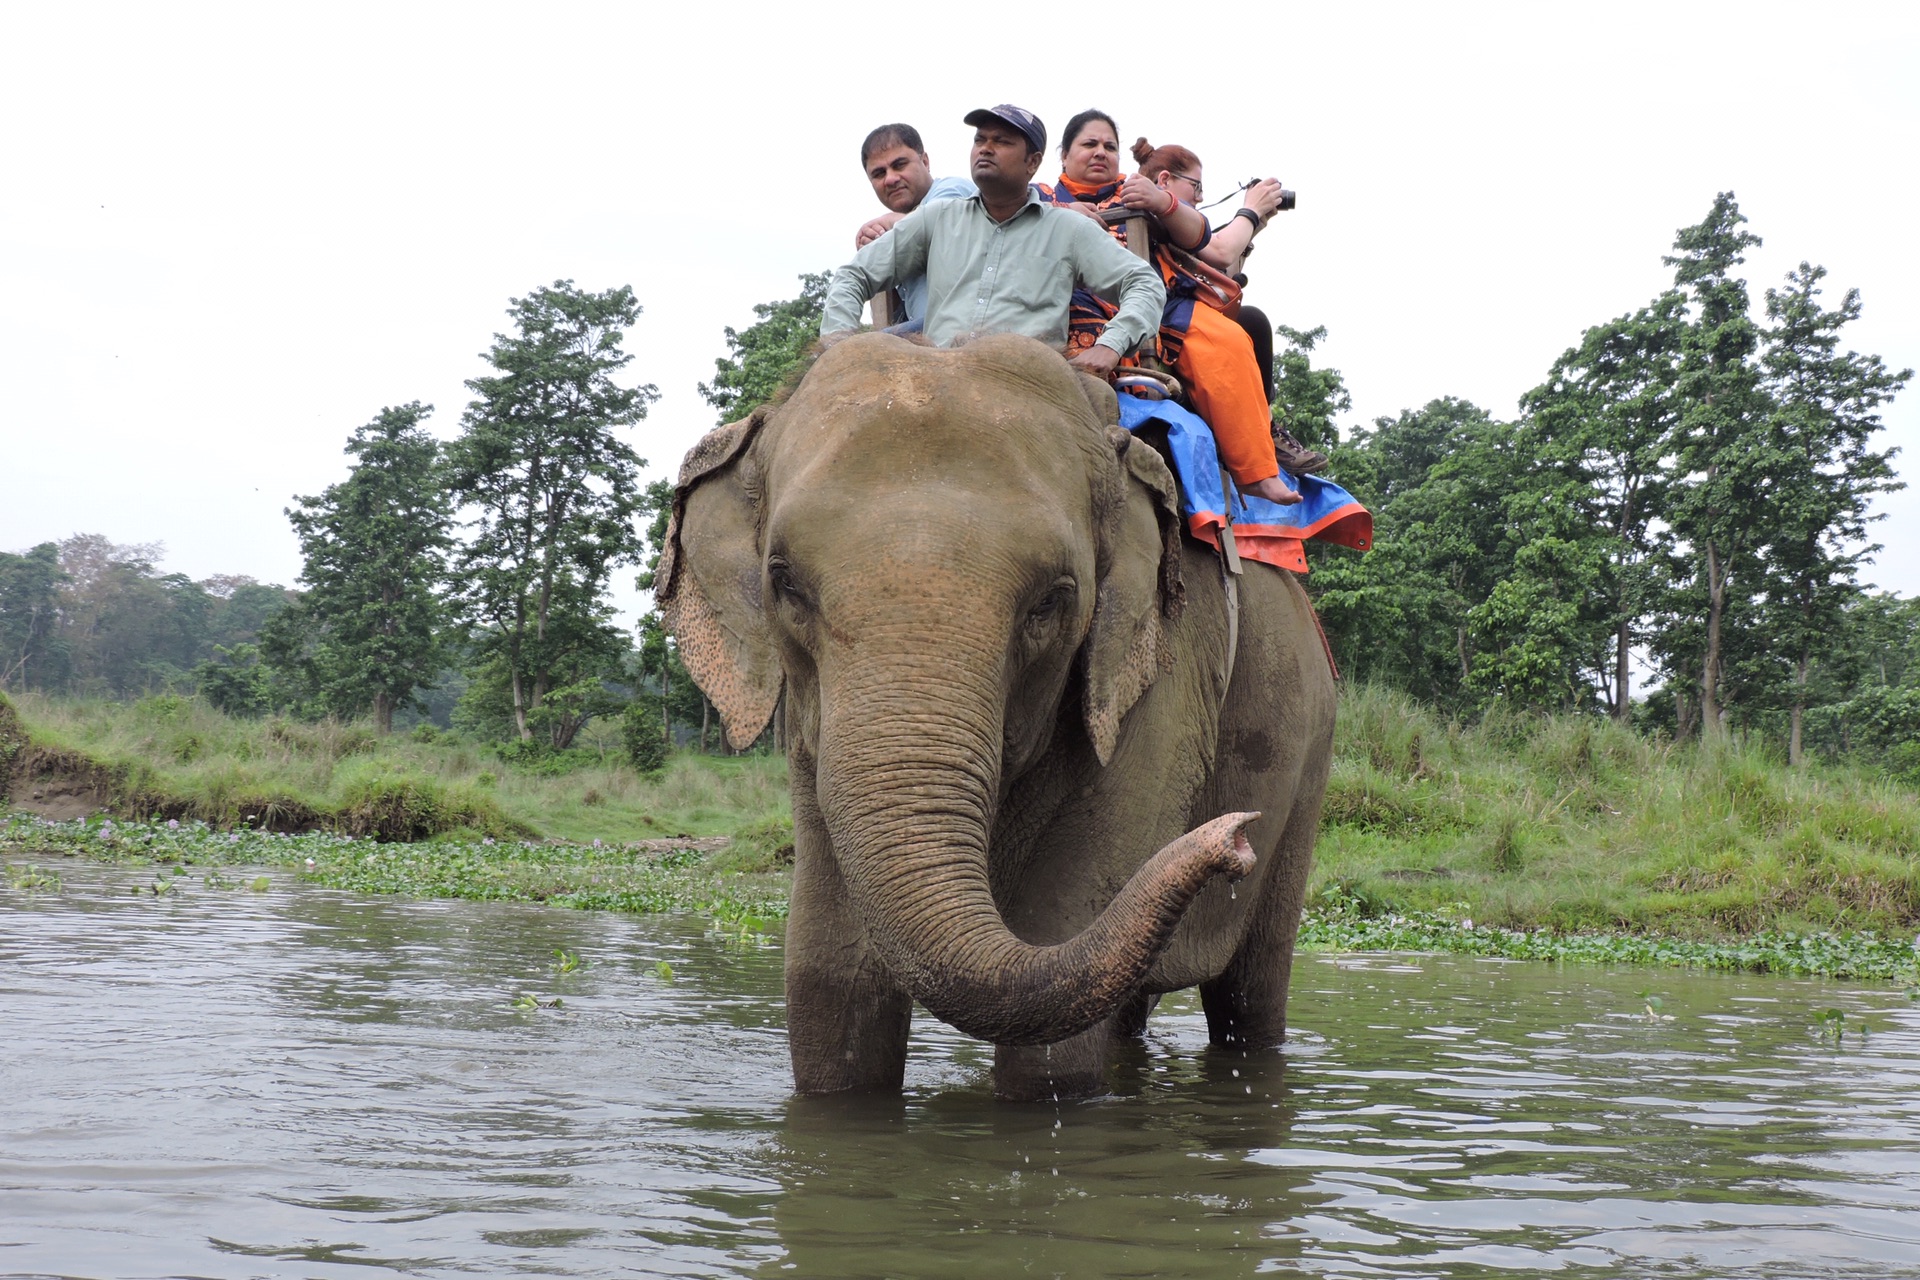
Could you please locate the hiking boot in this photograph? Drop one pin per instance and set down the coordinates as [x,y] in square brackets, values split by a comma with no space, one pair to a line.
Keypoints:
[1293,455]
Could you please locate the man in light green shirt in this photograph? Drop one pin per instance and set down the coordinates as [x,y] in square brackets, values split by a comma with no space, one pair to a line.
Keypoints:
[1003,261]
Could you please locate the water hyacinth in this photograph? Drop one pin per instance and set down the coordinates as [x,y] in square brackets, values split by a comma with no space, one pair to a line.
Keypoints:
[597,876]
[1338,925]
[617,877]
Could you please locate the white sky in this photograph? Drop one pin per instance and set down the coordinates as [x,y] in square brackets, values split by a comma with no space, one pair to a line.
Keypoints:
[231,234]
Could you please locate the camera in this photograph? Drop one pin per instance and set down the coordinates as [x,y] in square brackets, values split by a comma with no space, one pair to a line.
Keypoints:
[1286,196]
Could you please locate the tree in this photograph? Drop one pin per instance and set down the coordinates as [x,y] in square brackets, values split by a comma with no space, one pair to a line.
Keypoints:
[1306,400]
[366,634]
[554,493]
[1535,642]
[1826,413]
[1726,470]
[31,652]
[236,682]
[243,607]
[127,628]
[768,352]
[1441,482]
[1604,422]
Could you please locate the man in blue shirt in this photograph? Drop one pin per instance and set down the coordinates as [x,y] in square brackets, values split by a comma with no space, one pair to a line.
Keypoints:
[896,164]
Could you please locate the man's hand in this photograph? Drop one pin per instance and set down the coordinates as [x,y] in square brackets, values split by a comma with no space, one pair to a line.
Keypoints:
[1100,361]
[871,231]
[1263,197]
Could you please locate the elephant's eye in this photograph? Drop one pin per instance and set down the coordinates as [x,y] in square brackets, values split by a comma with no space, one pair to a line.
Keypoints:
[1051,606]
[785,587]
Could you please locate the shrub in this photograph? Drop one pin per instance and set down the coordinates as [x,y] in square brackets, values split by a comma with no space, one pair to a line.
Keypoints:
[536,756]
[759,846]
[400,807]
[644,739]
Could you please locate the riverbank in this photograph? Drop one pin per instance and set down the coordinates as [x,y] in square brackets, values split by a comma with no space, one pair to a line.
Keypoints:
[743,885]
[174,758]
[1558,838]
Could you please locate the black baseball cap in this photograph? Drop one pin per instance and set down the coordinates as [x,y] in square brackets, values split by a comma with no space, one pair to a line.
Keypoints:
[1020,118]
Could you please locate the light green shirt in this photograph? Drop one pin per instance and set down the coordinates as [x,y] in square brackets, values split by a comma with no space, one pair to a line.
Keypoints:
[1015,276]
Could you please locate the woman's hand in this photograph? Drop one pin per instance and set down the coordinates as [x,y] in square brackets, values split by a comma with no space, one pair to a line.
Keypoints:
[1263,198]
[1142,193]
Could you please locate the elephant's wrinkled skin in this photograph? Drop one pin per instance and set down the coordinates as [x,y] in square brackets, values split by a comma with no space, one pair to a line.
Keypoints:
[1003,665]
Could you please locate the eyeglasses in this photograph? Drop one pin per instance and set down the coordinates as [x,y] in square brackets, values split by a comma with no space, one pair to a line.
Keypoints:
[1199,192]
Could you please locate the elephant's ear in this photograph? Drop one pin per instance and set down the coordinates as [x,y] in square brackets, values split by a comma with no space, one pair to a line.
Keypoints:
[708,582]
[1140,592]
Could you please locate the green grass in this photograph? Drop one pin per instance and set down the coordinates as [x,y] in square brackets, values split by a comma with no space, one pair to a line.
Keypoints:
[170,757]
[1555,837]
[1574,825]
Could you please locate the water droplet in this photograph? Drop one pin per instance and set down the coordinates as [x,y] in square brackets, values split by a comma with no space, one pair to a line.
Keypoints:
[1232,892]
[1236,1073]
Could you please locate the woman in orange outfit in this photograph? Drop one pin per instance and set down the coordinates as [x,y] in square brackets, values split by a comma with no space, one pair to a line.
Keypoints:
[1212,354]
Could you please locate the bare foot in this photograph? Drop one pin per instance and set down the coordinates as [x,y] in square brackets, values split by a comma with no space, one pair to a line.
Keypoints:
[1274,490]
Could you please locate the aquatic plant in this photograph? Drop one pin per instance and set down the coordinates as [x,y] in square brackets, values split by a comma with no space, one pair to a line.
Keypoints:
[32,878]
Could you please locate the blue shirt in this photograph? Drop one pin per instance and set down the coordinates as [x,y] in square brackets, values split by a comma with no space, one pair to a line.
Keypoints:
[913,293]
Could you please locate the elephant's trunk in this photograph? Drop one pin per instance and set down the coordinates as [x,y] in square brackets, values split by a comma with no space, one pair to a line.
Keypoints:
[908,802]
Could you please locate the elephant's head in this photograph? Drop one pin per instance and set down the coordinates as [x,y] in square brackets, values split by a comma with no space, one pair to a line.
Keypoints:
[936,551]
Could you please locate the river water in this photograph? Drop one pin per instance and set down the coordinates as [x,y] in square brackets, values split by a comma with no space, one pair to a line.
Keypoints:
[219,1083]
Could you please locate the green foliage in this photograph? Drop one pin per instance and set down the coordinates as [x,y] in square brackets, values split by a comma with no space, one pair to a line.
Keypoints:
[13,741]
[644,738]
[31,651]
[236,683]
[762,845]
[537,756]
[1825,415]
[402,807]
[554,493]
[367,633]
[1306,400]
[1685,486]
[768,352]
[88,616]
[1340,922]
[284,775]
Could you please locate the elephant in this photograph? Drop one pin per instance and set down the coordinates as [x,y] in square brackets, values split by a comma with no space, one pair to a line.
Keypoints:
[1042,770]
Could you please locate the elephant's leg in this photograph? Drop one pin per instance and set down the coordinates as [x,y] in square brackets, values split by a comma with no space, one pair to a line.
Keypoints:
[1073,1068]
[1246,1006]
[846,1017]
[1130,1021]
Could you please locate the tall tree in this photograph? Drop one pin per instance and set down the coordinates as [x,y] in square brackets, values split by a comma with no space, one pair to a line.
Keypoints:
[1307,401]
[126,627]
[1441,482]
[32,654]
[366,635]
[766,353]
[554,492]
[1726,469]
[1826,413]
[1604,422]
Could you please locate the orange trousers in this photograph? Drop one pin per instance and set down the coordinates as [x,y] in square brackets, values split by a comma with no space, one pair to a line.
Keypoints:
[1217,364]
